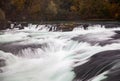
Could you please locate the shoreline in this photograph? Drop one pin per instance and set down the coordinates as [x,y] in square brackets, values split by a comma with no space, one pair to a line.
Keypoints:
[63,24]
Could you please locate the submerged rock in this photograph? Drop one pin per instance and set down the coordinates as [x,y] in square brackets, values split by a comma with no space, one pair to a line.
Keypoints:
[2,63]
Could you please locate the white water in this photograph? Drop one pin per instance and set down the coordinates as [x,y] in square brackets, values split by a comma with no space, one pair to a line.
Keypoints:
[54,62]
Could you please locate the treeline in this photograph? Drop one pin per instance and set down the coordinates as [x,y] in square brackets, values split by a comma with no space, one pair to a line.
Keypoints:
[46,10]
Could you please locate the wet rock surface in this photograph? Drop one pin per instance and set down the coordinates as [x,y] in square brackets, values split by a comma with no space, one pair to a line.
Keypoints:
[94,39]
[15,49]
[58,26]
[2,64]
[99,63]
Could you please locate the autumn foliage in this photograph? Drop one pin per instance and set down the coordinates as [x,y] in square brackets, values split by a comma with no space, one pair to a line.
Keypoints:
[46,10]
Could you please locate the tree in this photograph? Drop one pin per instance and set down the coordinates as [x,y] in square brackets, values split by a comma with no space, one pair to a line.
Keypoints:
[51,10]
[19,4]
[90,8]
[2,15]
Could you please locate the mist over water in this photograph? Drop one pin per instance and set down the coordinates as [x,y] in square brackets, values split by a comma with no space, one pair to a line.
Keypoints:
[37,54]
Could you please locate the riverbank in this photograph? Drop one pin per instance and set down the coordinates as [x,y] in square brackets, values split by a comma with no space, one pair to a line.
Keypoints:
[64,25]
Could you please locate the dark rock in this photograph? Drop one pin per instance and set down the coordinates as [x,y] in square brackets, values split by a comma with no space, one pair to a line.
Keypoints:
[4,25]
[98,63]
[89,38]
[113,75]
[111,25]
[16,49]
[85,26]
[2,63]
[116,36]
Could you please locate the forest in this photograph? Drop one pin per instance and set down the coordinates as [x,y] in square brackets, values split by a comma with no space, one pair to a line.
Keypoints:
[52,10]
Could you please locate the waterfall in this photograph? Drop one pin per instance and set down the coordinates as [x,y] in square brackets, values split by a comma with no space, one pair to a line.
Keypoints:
[38,54]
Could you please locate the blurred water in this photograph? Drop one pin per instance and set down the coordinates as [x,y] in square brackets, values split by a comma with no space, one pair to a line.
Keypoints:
[55,58]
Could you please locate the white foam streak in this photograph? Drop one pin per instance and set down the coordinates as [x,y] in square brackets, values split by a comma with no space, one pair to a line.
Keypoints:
[100,77]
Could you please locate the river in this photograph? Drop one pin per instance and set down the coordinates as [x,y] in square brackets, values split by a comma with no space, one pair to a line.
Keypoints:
[37,54]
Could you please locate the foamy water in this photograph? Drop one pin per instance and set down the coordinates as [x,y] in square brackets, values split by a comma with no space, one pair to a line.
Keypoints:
[54,54]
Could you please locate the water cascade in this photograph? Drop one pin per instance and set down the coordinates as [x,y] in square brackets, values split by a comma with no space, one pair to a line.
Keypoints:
[38,54]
